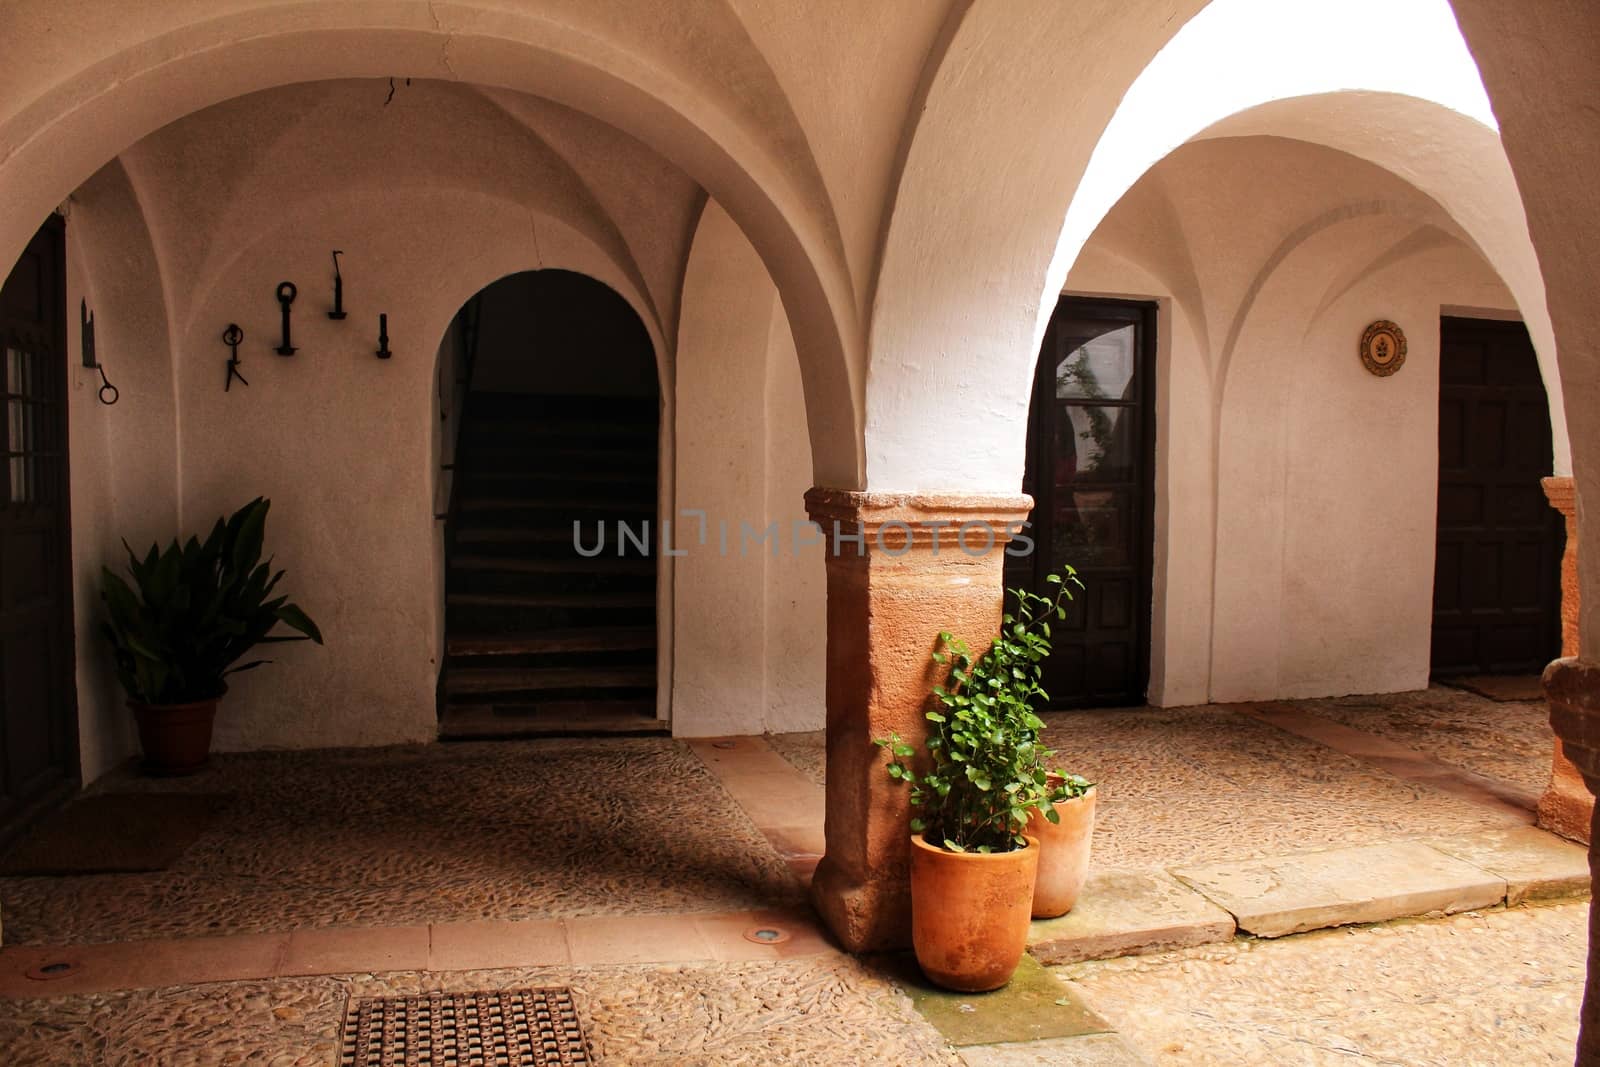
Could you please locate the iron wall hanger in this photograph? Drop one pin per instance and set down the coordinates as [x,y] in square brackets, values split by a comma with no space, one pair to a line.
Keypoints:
[231,337]
[383,337]
[108,393]
[286,295]
[338,288]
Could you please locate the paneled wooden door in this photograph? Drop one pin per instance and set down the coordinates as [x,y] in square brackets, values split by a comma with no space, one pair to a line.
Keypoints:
[38,699]
[1497,580]
[1091,472]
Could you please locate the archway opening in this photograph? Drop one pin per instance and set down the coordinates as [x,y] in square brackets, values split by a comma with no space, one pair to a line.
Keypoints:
[549,461]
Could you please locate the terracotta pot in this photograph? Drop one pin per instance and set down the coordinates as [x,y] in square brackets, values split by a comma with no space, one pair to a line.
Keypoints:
[176,738]
[1063,855]
[969,913]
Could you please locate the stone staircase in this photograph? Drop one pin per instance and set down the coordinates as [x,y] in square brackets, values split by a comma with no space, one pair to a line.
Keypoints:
[541,640]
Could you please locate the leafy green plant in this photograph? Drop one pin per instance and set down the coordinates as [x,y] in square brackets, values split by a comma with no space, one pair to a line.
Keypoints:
[988,769]
[198,609]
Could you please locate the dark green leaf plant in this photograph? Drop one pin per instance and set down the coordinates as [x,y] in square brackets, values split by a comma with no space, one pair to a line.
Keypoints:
[194,610]
[987,771]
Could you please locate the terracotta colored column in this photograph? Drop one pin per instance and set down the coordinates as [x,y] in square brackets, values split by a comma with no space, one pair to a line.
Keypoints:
[901,568]
[1573,689]
[1567,806]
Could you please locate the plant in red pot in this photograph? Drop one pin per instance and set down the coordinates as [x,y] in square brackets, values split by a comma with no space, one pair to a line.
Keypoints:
[974,857]
[192,613]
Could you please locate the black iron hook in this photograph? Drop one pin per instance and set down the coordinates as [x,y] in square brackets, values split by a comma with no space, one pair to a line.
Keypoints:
[338,288]
[286,295]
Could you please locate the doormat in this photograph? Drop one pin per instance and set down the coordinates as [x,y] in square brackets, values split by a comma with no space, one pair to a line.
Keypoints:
[114,833]
[504,1028]
[1504,688]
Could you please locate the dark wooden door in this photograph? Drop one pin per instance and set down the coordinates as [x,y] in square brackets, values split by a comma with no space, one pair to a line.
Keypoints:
[1497,583]
[1091,472]
[38,716]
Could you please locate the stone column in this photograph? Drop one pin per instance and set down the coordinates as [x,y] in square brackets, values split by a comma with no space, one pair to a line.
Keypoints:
[1567,806]
[889,596]
[1573,689]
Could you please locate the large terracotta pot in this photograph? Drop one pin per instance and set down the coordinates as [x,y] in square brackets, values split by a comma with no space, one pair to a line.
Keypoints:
[969,913]
[1063,855]
[176,738]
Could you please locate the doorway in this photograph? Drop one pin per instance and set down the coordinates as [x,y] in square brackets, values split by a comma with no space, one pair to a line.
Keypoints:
[1497,581]
[556,444]
[38,719]
[1091,473]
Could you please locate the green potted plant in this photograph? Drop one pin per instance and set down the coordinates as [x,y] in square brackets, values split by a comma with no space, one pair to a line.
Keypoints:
[193,611]
[973,860]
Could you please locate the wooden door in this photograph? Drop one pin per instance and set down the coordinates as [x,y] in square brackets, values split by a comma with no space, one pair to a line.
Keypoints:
[38,716]
[1091,472]
[1497,582]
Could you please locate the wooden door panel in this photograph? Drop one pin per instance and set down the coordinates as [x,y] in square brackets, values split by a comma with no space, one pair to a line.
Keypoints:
[1496,603]
[38,720]
[1091,444]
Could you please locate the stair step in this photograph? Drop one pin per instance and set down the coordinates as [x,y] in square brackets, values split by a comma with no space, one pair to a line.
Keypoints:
[549,503]
[640,599]
[563,565]
[592,639]
[566,475]
[514,535]
[531,679]
[543,457]
[564,718]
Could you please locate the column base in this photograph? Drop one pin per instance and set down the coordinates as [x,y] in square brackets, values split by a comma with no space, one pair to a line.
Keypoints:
[866,916]
[1567,806]
[1573,689]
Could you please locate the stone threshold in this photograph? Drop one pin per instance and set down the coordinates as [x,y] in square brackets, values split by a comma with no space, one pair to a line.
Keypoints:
[1124,913]
[453,946]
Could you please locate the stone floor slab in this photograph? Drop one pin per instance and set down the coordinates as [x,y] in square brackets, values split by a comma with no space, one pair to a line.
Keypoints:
[1372,883]
[1031,1007]
[1126,912]
[1535,865]
[1090,1050]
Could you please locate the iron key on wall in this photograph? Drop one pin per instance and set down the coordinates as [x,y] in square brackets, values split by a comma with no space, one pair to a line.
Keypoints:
[286,295]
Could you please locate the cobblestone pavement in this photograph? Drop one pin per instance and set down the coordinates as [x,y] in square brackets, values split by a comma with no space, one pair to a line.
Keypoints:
[403,836]
[1211,784]
[1511,741]
[807,751]
[827,1010]
[1480,989]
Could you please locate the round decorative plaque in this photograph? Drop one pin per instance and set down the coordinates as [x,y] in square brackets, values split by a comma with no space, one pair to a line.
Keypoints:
[1383,348]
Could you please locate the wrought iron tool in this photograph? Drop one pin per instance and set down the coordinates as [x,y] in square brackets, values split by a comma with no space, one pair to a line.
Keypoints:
[286,295]
[231,337]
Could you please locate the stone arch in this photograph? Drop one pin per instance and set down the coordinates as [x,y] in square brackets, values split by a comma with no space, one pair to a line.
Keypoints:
[960,306]
[726,123]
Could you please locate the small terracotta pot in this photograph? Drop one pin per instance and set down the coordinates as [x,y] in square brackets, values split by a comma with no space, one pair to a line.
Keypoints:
[1063,855]
[969,913]
[176,738]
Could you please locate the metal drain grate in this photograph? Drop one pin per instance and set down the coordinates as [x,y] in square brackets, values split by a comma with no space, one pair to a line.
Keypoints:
[506,1028]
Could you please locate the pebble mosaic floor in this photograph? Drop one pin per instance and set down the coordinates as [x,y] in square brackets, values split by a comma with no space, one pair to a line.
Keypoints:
[1209,784]
[1510,741]
[829,1010]
[448,832]
[570,828]
[1483,988]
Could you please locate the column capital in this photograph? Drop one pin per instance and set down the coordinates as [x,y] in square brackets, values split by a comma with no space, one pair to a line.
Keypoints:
[1562,492]
[1573,689]
[888,519]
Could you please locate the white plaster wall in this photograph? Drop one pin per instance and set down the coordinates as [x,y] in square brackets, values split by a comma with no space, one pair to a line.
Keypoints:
[430,199]
[123,457]
[1295,491]
[348,446]
[748,620]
